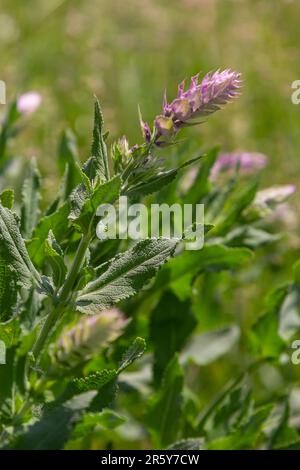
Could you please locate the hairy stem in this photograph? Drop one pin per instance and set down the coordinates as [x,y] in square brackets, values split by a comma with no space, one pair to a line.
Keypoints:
[62,297]
[58,309]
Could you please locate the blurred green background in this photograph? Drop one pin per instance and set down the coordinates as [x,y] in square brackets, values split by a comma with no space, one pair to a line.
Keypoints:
[129,51]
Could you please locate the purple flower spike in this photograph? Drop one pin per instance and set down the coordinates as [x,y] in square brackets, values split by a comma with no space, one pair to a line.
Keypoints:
[180,89]
[201,99]
[29,102]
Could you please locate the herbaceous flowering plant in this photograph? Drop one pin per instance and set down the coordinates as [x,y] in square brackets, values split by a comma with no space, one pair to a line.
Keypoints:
[101,340]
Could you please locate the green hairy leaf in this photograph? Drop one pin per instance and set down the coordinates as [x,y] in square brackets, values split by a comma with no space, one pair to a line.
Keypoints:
[85,207]
[125,275]
[13,250]
[7,198]
[94,381]
[97,165]
[135,351]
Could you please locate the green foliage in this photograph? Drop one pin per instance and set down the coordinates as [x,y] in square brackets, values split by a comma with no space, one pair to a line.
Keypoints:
[163,417]
[97,165]
[13,250]
[2,352]
[7,198]
[8,291]
[75,372]
[92,422]
[134,352]
[68,161]
[201,185]
[207,347]
[171,324]
[85,203]
[94,381]
[55,257]
[125,275]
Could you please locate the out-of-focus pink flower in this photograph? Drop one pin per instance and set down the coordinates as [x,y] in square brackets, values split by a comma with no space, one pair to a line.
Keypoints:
[275,195]
[29,102]
[247,162]
[285,214]
[268,200]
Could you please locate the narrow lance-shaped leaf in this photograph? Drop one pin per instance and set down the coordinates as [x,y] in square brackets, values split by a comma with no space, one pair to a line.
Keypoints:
[55,257]
[283,435]
[30,200]
[97,165]
[172,321]
[125,275]
[201,186]
[246,435]
[234,207]
[264,338]
[68,158]
[163,417]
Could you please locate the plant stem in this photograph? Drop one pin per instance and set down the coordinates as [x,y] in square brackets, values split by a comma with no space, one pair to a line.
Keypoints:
[59,305]
[62,297]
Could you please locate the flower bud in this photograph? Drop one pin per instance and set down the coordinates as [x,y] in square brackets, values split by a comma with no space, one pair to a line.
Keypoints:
[88,336]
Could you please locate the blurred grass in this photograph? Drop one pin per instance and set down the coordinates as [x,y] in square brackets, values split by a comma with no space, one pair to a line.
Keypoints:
[128,51]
